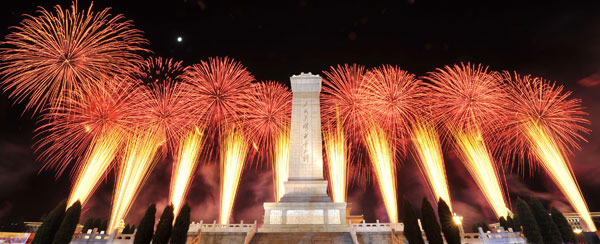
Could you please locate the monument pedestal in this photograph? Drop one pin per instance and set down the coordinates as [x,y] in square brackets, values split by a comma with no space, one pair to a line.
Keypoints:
[305,206]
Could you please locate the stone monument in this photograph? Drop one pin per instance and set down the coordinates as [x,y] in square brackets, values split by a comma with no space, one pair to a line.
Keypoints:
[305,206]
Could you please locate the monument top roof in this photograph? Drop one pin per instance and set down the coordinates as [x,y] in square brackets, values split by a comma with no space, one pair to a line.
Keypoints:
[303,75]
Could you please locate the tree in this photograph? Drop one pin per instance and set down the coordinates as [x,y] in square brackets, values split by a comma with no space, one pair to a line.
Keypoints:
[103,226]
[510,222]
[46,232]
[430,224]
[97,224]
[126,229]
[530,226]
[181,226]
[146,227]
[503,222]
[516,223]
[566,232]
[548,229]
[412,232]
[449,228]
[68,225]
[164,226]
[132,229]
[87,225]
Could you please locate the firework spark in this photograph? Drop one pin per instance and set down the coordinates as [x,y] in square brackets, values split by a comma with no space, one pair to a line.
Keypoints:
[267,112]
[66,50]
[428,151]
[87,132]
[137,163]
[337,159]
[232,157]
[219,85]
[282,161]
[547,126]
[184,168]
[382,158]
[394,98]
[470,102]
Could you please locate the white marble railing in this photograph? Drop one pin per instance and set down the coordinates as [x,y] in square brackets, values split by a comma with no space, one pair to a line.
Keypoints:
[376,227]
[214,227]
[101,238]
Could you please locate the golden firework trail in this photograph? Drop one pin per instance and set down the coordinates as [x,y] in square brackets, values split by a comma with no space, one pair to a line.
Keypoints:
[480,165]
[232,157]
[98,158]
[429,153]
[137,162]
[282,161]
[184,167]
[335,147]
[553,161]
[382,157]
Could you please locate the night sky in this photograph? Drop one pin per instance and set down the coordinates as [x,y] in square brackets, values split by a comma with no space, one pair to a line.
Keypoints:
[559,41]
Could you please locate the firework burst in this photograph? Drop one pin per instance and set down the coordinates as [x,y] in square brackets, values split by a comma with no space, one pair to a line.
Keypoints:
[66,50]
[219,85]
[267,112]
[470,103]
[547,126]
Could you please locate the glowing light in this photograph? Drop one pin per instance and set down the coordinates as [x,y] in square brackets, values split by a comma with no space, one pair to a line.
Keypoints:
[97,160]
[184,168]
[478,162]
[457,219]
[382,159]
[335,146]
[232,157]
[577,231]
[179,39]
[282,161]
[429,153]
[136,165]
[552,160]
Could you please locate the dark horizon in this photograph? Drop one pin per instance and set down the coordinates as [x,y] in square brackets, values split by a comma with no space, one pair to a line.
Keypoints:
[276,39]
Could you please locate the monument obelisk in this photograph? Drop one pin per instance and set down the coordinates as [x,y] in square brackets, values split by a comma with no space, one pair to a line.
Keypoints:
[305,206]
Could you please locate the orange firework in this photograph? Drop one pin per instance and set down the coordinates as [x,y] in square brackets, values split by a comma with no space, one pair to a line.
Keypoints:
[546,126]
[344,94]
[88,131]
[65,50]
[394,98]
[267,112]
[219,85]
[470,102]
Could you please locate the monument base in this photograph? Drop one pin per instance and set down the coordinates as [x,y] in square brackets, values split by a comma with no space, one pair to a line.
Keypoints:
[304,217]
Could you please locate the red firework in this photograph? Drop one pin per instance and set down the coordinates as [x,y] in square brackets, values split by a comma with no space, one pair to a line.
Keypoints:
[469,97]
[104,106]
[344,96]
[267,112]
[66,50]
[395,98]
[550,106]
[164,103]
[218,86]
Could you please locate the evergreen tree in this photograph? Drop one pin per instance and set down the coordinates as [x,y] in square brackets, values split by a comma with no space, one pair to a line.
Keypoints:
[530,226]
[87,225]
[103,226]
[46,232]
[483,226]
[563,225]
[69,224]
[412,232]
[430,223]
[516,223]
[548,229]
[146,227]
[503,222]
[449,228]
[132,229]
[97,224]
[164,226]
[181,226]
[126,229]
[510,222]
